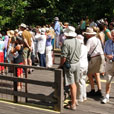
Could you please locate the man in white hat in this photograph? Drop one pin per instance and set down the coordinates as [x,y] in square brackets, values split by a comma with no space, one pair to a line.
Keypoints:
[26,35]
[71,54]
[96,64]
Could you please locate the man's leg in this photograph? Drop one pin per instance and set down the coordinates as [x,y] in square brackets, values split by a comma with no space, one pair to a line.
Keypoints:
[90,76]
[73,90]
[92,92]
[98,80]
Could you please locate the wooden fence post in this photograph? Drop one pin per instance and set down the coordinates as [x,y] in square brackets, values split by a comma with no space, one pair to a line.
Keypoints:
[26,89]
[58,94]
[15,84]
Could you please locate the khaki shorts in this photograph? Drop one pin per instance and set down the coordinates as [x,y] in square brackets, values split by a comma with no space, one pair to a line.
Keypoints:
[96,65]
[26,53]
[73,74]
[109,71]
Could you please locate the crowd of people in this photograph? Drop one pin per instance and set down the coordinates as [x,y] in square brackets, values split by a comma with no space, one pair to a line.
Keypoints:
[85,52]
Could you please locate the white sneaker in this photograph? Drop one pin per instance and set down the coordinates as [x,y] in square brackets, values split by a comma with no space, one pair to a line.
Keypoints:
[85,99]
[105,100]
[80,100]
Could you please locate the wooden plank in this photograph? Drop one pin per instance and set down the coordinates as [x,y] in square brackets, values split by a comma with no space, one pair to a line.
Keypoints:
[28,95]
[24,80]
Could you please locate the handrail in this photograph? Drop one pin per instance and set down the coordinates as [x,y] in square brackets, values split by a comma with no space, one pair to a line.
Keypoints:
[26,66]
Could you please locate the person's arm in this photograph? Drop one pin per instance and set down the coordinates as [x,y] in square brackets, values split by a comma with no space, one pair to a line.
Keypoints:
[26,43]
[17,48]
[8,43]
[109,35]
[62,62]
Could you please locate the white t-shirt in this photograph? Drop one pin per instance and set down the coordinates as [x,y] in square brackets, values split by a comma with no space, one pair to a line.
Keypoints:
[83,57]
[91,44]
[41,44]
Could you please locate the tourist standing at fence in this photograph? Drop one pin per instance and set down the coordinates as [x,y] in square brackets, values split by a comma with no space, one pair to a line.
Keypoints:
[71,54]
[18,58]
[49,60]
[57,31]
[109,53]
[41,46]
[2,45]
[96,64]
[27,45]
[81,89]
[11,42]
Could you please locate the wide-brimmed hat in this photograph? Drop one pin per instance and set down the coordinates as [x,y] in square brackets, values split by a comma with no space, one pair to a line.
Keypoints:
[70,32]
[89,31]
[10,33]
[23,25]
[80,38]
[43,30]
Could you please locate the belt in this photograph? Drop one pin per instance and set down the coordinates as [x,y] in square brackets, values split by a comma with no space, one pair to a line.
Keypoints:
[95,56]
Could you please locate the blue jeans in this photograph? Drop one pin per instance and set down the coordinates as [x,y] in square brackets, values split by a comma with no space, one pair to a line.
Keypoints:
[42,59]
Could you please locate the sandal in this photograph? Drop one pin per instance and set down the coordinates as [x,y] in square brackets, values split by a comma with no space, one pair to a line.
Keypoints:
[70,107]
[77,104]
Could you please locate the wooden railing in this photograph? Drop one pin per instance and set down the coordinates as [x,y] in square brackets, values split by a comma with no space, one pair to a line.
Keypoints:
[57,98]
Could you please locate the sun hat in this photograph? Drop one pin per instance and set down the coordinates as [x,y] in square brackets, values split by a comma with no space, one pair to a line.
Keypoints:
[89,31]
[23,25]
[10,33]
[80,38]
[70,32]
[56,19]
[43,30]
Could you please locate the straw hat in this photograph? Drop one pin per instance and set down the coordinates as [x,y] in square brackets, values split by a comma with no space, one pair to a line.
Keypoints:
[89,31]
[70,32]
[23,25]
[10,33]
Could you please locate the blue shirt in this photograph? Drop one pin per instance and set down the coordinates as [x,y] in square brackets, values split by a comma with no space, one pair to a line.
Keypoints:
[48,41]
[57,28]
[109,48]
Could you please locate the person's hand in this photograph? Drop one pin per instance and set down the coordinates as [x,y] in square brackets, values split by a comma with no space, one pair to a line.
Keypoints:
[110,57]
[30,48]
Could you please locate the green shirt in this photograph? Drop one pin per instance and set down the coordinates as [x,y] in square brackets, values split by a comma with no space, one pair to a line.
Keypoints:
[105,32]
[69,46]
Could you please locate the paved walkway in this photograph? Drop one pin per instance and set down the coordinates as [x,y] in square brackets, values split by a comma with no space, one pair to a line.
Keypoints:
[91,106]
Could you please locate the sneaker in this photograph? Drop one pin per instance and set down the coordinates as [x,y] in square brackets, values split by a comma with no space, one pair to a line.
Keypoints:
[105,100]
[98,93]
[80,100]
[91,93]
[85,99]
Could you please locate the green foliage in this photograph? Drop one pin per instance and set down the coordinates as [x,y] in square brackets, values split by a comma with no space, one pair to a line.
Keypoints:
[40,12]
